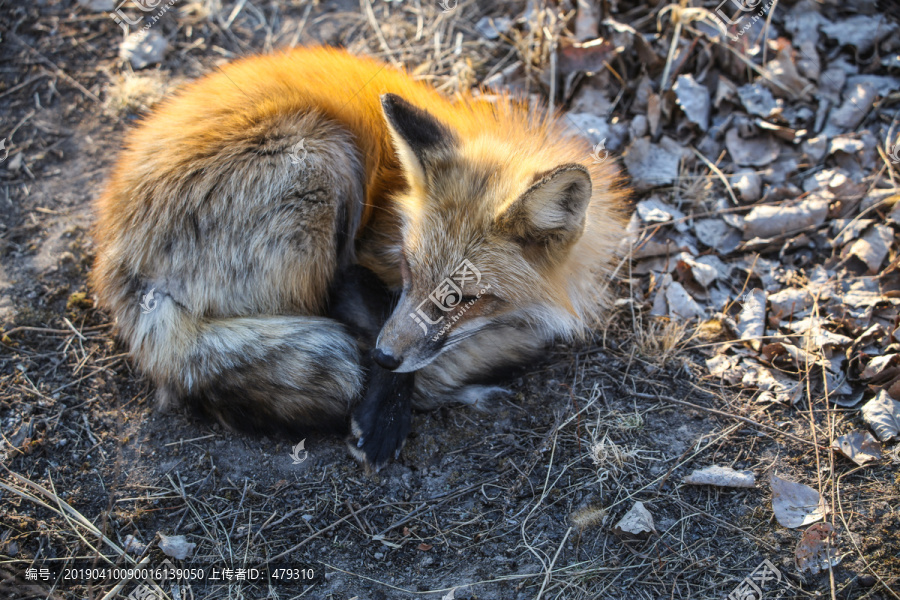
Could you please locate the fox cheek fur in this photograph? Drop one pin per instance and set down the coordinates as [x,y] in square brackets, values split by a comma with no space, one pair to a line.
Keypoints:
[534,231]
[243,246]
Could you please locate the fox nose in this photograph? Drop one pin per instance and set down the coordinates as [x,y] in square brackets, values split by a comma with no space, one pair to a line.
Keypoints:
[388,361]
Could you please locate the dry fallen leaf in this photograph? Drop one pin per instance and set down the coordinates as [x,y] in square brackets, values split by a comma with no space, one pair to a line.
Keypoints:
[717,234]
[586,21]
[748,184]
[858,100]
[722,477]
[769,221]
[789,355]
[133,545]
[872,248]
[651,165]
[790,301]
[672,300]
[758,100]
[860,31]
[803,21]
[176,546]
[693,98]
[654,210]
[795,504]
[878,364]
[751,152]
[636,521]
[816,550]
[752,320]
[784,80]
[774,385]
[589,56]
[726,367]
[882,413]
[703,274]
[593,128]
[681,304]
[144,48]
[858,446]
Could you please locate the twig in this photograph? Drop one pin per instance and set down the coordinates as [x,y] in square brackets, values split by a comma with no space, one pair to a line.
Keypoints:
[326,529]
[53,65]
[72,327]
[765,35]
[23,84]
[377,29]
[726,414]
[549,569]
[725,524]
[355,517]
[718,173]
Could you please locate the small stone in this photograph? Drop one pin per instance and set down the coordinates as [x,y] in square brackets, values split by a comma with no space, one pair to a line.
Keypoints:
[639,126]
[176,546]
[144,48]
[133,545]
[747,182]
[815,148]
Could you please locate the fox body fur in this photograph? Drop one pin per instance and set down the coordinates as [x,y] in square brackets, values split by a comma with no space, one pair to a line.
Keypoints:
[243,201]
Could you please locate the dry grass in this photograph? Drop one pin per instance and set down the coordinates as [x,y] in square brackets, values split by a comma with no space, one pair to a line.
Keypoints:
[660,340]
[131,92]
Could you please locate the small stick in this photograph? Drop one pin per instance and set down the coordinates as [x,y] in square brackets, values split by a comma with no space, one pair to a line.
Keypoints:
[321,532]
[355,518]
[377,29]
[549,570]
[23,84]
[72,327]
[55,68]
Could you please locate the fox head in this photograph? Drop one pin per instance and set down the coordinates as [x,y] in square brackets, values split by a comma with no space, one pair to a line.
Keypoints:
[485,228]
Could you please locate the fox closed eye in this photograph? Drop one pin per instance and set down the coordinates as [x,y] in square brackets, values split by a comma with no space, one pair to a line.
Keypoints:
[405,271]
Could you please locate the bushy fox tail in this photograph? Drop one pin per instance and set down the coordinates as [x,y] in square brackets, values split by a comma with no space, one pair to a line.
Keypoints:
[257,374]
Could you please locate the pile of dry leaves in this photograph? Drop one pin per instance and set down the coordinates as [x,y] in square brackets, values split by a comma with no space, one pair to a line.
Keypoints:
[762,145]
[761,142]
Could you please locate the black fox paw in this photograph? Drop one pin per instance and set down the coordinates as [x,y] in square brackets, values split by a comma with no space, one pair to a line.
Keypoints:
[383,419]
[375,446]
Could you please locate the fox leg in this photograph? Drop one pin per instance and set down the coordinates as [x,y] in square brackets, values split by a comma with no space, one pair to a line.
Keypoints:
[383,417]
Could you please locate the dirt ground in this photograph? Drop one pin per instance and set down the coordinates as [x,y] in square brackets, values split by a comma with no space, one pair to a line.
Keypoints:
[519,503]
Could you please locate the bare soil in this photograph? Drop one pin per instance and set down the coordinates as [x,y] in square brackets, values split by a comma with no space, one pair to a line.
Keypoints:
[513,504]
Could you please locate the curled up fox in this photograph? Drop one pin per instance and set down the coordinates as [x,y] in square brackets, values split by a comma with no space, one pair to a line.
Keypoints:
[330,243]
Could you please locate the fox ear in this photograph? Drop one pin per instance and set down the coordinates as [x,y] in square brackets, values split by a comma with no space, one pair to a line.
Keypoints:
[553,209]
[420,139]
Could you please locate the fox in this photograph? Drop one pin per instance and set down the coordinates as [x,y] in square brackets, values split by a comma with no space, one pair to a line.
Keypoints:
[330,244]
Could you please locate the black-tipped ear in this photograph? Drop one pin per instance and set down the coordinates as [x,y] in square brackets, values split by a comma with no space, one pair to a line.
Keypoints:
[417,134]
[553,209]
